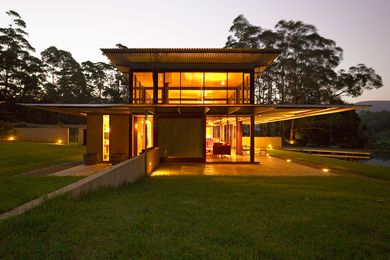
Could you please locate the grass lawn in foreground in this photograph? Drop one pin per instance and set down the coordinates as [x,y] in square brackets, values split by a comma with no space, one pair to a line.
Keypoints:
[20,157]
[210,217]
[374,171]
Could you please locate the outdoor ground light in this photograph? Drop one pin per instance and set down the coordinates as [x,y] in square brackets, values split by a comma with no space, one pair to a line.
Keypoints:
[11,138]
[59,141]
[288,160]
[326,170]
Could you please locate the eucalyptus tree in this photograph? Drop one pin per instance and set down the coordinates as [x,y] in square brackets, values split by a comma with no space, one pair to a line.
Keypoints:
[306,71]
[21,73]
[65,81]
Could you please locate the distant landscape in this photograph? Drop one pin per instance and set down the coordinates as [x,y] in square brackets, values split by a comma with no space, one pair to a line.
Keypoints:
[375,122]
[375,106]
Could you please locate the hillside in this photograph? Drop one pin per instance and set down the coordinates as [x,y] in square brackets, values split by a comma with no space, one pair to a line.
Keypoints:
[376,106]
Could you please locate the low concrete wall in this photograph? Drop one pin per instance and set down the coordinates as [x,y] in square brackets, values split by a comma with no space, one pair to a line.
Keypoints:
[45,135]
[128,171]
[263,142]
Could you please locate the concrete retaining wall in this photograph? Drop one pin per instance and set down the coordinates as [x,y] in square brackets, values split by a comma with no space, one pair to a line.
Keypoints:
[45,135]
[128,171]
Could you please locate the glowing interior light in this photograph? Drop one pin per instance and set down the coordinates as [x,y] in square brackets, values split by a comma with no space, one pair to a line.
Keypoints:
[270,146]
[150,163]
[325,170]
[223,83]
[106,138]
[288,160]
[11,138]
[59,141]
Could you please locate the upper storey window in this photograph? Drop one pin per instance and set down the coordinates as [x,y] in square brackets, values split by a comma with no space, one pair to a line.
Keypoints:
[193,87]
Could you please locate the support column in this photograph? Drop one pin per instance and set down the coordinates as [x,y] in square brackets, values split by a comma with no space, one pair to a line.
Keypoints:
[252,138]
[155,87]
[252,87]
[155,131]
[131,87]
[238,137]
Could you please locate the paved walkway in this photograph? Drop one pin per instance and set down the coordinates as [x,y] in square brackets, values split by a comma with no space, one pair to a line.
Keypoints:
[82,170]
[269,166]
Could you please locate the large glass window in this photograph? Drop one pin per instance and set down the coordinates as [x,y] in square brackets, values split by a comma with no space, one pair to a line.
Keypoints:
[143,87]
[235,87]
[215,88]
[172,86]
[193,87]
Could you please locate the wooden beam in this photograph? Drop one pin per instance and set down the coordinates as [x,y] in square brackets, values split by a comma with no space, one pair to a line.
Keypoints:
[232,110]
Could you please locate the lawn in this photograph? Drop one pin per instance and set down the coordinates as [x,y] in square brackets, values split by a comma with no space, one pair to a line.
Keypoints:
[373,171]
[210,217]
[20,157]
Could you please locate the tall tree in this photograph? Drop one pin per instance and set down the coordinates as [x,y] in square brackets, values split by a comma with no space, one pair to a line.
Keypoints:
[65,81]
[305,72]
[21,73]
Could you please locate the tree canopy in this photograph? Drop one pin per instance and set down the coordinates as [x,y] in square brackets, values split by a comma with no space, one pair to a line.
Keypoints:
[56,76]
[306,71]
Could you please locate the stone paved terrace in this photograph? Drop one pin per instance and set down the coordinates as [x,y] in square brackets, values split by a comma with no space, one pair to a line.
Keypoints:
[268,166]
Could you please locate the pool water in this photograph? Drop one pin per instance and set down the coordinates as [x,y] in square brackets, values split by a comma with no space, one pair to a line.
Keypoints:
[379,158]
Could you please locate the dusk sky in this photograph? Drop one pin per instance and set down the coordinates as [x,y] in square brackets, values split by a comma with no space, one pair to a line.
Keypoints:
[360,27]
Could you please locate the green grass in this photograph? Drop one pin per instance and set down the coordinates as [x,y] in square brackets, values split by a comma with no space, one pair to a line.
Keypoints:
[210,217]
[373,171]
[20,157]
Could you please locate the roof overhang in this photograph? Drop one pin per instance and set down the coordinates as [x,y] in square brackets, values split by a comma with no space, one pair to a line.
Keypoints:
[263,113]
[191,59]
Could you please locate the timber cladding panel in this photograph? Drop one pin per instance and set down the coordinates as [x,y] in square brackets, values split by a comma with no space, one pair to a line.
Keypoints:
[95,135]
[119,135]
[181,137]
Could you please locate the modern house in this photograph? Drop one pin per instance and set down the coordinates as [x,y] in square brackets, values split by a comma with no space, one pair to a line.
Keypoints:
[196,105]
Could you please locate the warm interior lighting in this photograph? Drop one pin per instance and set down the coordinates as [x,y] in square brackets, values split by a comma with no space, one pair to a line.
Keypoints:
[11,138]
[150,163]
[291,141]
[59,141]
[106,138]
[326,170]
[288,160]
[270,146]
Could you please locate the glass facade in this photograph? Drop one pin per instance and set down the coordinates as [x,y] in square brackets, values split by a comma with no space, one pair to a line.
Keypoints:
[192,87]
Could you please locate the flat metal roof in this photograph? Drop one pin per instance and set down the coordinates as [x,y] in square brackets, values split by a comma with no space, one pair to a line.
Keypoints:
[263,113]
[208,59]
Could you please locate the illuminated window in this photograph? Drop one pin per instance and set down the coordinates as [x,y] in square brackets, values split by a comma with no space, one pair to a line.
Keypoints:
[143,87]
[192,90]
[215,88]
[172,87]
[235,87]
[106,138]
